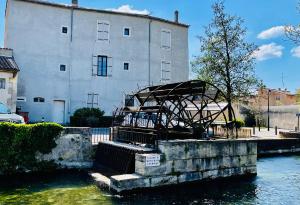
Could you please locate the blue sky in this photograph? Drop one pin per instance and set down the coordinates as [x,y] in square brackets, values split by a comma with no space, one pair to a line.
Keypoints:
[275,58]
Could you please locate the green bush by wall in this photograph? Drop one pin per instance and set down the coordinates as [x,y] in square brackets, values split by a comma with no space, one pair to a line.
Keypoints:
[20,143]
[90,117]
[239,123]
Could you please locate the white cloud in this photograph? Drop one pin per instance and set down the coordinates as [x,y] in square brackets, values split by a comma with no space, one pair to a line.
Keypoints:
[296,52]
[268,51]
[129,9]
[273,32]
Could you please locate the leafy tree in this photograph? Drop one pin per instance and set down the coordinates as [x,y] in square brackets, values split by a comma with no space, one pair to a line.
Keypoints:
[226,60]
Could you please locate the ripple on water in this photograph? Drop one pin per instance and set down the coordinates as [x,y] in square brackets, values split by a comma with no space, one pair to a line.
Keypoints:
[278,182]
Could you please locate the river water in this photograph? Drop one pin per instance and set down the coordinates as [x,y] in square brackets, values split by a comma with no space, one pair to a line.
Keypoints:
[277,182]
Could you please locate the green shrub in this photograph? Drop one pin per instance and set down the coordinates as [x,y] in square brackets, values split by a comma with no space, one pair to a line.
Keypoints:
[249,116]
[239,123]
[88,112]
[20,143]
[90,117]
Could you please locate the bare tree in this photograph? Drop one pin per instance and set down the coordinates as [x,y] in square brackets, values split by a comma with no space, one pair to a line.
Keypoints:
[293,32]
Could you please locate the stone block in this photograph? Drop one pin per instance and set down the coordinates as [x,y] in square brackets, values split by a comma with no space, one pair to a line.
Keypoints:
[141,169]
[163,180]
[129,182]
[190,176]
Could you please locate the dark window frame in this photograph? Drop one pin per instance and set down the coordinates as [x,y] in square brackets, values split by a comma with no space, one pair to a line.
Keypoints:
[39,99]
[3,83]
[62,67]
[126,66]
[126,31]
[64,30]
[102,65]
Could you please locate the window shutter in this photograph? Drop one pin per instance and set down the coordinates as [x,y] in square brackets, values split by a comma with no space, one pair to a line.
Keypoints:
[94,65]
[109,66]
[166,39]
[165,71]
[103,29]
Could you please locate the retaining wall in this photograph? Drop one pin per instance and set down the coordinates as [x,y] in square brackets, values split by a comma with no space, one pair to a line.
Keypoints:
[182,161]
[74,149]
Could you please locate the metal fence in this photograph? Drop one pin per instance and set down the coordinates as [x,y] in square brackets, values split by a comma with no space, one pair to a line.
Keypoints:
[100,135]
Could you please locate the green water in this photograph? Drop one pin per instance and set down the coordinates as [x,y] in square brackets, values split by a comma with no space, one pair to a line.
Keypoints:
[277,182]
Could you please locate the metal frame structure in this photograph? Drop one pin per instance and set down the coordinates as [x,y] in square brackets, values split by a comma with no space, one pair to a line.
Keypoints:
[181,110]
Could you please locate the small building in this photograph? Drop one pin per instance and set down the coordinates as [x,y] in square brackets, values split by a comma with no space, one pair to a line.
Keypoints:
[277,97]
[8,79]
[73,57]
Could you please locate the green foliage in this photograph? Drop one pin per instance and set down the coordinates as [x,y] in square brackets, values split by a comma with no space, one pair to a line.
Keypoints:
[90,117]
[249,115]
[239,123]
[88,112]
[20,143]
[226,59]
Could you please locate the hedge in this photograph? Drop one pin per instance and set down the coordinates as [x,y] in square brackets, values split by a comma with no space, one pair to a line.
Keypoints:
[19,144]
[90,117]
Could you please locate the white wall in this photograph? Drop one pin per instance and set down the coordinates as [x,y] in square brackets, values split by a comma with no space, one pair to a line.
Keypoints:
[34,32]
[9,94]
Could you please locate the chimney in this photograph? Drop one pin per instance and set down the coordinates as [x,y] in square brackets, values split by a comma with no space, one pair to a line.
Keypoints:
[176,16]
[75,3]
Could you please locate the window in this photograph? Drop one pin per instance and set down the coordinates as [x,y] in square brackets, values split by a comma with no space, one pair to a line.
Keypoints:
[277,97]
[21,99]
[62,67]
[126,32]
[92,100]
[38,99]
[126,66]
[165,39]
[165,71]
[2,83]
[103,28]
[102,66]
[129,100]
[64,29]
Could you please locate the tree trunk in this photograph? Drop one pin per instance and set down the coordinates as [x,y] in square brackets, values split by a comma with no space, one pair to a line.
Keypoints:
[230,114]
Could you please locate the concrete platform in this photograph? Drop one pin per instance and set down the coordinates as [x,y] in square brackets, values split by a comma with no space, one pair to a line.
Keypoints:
[184,161]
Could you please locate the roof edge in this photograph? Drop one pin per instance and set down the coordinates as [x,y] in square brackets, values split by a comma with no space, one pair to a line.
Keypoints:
[67,6]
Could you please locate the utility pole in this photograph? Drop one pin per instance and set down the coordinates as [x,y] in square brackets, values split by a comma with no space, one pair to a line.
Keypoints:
[269,109]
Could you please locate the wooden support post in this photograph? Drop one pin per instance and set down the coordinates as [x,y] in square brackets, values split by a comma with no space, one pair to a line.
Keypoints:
[275,130]
[254,130]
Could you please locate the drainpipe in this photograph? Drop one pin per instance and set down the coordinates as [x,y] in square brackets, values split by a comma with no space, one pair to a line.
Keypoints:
[149,53]
[70,58]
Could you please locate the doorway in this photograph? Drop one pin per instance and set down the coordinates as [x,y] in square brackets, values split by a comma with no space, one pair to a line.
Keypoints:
[59,111]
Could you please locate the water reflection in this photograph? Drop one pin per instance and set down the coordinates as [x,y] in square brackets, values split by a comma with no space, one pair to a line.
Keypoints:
[278,182]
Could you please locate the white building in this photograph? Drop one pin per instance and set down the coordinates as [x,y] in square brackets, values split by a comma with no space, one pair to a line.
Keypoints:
[8,79]
[72,57]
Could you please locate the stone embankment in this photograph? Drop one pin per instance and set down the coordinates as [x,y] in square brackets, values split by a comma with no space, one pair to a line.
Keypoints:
[184,161]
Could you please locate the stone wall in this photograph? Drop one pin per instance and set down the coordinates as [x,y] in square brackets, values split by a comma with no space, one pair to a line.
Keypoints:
[283,117]
[74,149]
[183,161]
[243,132]
[291,134]
[282,145]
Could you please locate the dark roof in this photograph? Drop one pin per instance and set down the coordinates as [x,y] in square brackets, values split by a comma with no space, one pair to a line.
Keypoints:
[103,11]
[8,64]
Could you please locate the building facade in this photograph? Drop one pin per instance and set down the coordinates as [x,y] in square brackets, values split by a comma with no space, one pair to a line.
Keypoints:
[73,57]
[8,79]
[277,97]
